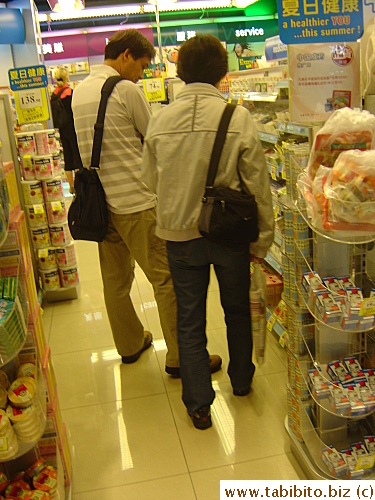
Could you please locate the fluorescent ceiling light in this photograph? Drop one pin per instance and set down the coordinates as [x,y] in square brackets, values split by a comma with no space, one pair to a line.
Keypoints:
[242,4]
[66,5]
[164,6]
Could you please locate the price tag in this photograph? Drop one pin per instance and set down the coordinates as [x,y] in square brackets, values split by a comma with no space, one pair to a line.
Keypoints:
[276,210]
[38,209]
[270,323]
[367,307]
[3,444]
[42,252]
[282,339]
[56,205]
[365,462]
[283,172]
[273,172]
[154,89]
[31,98]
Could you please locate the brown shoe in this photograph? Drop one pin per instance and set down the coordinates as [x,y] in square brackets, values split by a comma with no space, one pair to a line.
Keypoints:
[215,365]
[134,357]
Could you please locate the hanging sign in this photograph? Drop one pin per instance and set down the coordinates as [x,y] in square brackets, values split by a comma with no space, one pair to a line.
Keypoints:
[154,89]
[30,93]
[315,21]
[329,72]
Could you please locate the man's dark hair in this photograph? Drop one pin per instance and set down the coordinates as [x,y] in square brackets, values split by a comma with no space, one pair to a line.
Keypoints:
[133,40]
[202,59]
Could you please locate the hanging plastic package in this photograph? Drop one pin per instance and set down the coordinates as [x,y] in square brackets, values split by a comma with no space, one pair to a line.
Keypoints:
[370,64]
[258,312]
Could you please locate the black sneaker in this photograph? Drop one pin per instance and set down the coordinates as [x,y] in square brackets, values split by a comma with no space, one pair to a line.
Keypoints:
[202,418]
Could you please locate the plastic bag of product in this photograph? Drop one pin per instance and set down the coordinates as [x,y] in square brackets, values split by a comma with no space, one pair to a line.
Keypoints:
[370,64]
[345,129]
[258,290]
[313,193]
[350,187]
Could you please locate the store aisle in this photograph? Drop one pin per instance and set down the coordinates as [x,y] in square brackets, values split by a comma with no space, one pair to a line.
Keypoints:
[129,432]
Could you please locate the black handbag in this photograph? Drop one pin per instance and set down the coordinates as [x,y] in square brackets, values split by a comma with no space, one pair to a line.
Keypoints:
[228,217]
[88,213]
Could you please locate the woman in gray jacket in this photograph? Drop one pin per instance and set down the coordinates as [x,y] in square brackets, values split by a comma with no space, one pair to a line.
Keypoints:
[176,157]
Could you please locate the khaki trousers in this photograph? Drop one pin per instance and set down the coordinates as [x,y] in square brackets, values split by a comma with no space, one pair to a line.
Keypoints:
[132,236]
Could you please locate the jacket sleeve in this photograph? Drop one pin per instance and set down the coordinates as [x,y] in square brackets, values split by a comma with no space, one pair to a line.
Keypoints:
[149,174]
[255,179]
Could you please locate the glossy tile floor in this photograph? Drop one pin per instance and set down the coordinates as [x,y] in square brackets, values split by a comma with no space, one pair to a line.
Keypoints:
[129,432]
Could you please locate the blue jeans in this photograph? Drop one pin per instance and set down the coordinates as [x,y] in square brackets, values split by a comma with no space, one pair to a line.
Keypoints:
[189,262]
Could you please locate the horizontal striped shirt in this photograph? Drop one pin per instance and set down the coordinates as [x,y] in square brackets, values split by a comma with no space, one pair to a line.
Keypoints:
[126,119]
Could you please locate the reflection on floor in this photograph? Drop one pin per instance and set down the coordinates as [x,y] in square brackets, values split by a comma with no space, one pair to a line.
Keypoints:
[130,435]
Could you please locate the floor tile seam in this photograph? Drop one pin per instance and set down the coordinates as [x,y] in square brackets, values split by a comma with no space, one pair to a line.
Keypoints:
[54,353]
[242,462]
[132,483]
[111,401]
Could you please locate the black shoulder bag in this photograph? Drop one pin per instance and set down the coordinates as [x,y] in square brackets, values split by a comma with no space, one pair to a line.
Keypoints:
[228,217]
[88,213]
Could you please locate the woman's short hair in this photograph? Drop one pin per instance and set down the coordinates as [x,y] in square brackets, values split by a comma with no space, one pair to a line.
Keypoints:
[61,75]
[133,40]
[202,59]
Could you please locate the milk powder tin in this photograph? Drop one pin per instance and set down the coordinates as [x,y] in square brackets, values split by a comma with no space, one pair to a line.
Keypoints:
[60,234]
[45,141]
[40,237]
[46,258]
[32,192]
[36,215]
[56,159]
[25,143]
[50,279]
[53,189]
[56,211]
[43,167]
[69,276]
[28,167]
[66,256]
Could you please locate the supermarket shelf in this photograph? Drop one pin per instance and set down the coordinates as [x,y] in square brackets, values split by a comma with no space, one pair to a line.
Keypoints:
[264,136]
[261,96]
[282,84]
[273,263]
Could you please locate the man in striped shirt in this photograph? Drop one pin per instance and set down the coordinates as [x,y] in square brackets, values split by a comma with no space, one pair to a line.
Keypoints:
[131,205]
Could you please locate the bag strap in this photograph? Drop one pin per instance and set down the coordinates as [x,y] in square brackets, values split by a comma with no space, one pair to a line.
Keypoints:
[219,144]
[107,88]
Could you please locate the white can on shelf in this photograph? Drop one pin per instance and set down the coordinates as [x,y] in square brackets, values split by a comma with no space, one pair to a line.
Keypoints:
[69,276]
[60,234]
[46,258]
[56,159]
[32,192]
[40,237]
[36,215]
[28,167]
[56,211]
[66,256]
[50,278]
[43,167]
[53,189]
[25,143]
[45,141]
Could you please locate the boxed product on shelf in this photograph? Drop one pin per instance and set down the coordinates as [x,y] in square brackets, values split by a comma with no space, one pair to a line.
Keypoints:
[334,461]
[339,399]
[365,393]
[333,285]
[17,242]
[359,449]
[328,309]
[369,373]
[337,371]
[345,282]
[11,183]
[351,461]
[357,406]
[352,365]
[319,386]
[354,300]
[369,442]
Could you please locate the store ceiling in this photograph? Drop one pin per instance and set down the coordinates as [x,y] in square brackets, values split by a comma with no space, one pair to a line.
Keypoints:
[43,6]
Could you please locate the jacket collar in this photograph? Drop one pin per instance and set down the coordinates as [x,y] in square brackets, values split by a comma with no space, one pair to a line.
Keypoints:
[200,89]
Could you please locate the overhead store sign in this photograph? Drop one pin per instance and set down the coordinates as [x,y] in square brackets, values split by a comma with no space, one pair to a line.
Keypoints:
[315,21]
[236,32]
[30,93]
[77,46]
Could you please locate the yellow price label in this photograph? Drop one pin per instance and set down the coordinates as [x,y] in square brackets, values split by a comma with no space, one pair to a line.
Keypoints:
[283,173]
[38,209]
[367,307]
[282,340]
[273,172]
[270,323]
[56,205]
[154,89]
[42,252]
[365,462]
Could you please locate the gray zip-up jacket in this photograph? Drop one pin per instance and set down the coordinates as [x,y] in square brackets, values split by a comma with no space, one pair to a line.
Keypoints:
[176,156]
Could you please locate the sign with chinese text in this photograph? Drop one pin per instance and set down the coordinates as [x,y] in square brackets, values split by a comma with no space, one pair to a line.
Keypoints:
[30,93]
[315,21]
[330,73]
[154,89]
